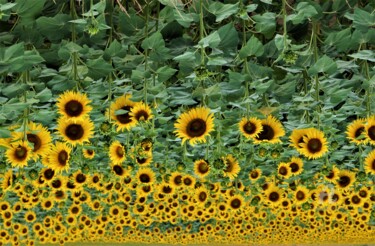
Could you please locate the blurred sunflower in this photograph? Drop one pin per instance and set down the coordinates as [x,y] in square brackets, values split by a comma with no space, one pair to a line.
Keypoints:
[250,127]
[79,178]
[356,131]
[300,195]
[7,181]
[120,113]
[236,202]
[77,131]
[146,176]
[273,195]
[272,130]
[314,144]
[88,153]
[296,165]
[255,174]
[201,168]
[345,179]
[195,125]
[58,157]
[284,170]
[38,136]
[73,105]
[176,179]
[370,130]
[118,170]
[232,168]
[30,216]
[297,137]
[140,112]
[19,153]
[201,195]
[332,174]
[370,163]
[117,152]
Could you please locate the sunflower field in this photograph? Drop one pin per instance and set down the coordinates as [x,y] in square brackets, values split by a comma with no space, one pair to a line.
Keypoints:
[246,122]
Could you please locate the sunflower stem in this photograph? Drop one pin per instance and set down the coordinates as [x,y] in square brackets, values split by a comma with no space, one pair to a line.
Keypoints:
[25,79]
[201,31]
[315,32]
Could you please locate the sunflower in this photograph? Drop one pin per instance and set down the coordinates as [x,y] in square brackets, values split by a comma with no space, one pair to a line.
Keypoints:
[140,112]
[118,170]
[144,160]
[19,153]
[166,189]
[201,196]
[75,131]
[297,137]
[296,165]
[195,125]
[284,170]
[356,131]
[250,127]
[176,179]
[272,130]
[7,180]
[314,144]
[47,204]
[38,136]
[88,153]
[255,174]
[146,176]
[201,168]
[117,152]
[30,216]
[236,202]
[370,163]
[332,175]
[188,181]
[79,178]
[345,179]
[58,157]
[232,168]
[301,195]
[273,195]
[370,130]
[120,113]
[73,105]
[47,174]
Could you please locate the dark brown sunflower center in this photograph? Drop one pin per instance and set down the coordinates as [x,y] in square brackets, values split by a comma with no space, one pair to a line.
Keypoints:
[294,167]
[56,184]
[314,145]
[335,198]
[124,118]
[300,195]
[235,203]
[74,131]
[202,196]
[32,138]
[30,217]
[267,133]
[344,181]
[371,132]
[49,173]
[144,178]
[177,180]
[363,193]
[141,160]
[188,181]
[20,153]
[73,108]
[81,178]
[254,174]
[59,194]
[373,165]
[323,196]
[95,179]
[330,175]
[249,128]
[90,152]
[141,115]
[229,166]
[118,170]
[203,167]
[62,157]
[120,151]
[359,131]
[356,199]
[167,189]
[146,188]
[196,128]
[283,171]
[274,196]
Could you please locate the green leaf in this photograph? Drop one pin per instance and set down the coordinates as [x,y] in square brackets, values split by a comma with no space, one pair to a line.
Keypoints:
[44,96]
[265,24]
[164,73]
[367,55]
[305,11]
[98,68]
[363,20]
[155,41]
[5,133]
[28,9]
[15,50]
[79,21]
[185,19]
[7,6]
[54,28]
[114,49]
[252,47]
[222,11]
[325,64]
[212,40]
[228,36]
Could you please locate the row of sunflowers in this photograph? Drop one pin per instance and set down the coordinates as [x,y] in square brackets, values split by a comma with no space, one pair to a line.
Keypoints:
[57,186]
